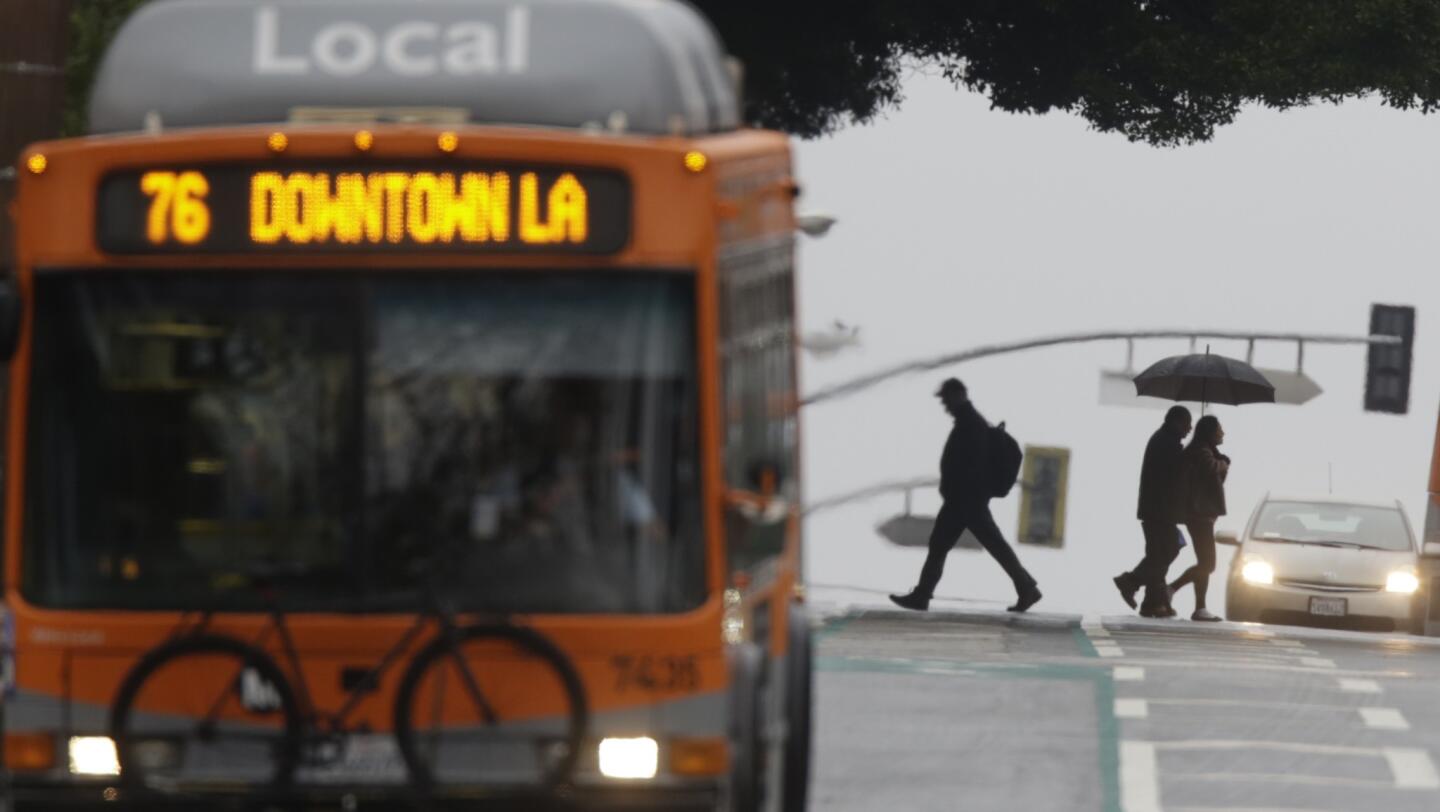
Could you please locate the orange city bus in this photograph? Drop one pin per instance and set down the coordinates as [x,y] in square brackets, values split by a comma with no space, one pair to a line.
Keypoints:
[402,400]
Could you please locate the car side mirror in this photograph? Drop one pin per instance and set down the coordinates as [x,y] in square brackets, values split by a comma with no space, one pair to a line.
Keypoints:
[1430,549]
[11,312]
[1227,537]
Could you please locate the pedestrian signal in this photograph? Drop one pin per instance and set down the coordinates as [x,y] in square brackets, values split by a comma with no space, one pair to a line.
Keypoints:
[1387,369]
[1044,479]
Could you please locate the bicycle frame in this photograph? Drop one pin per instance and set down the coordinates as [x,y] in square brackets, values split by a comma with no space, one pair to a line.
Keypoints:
[334,722]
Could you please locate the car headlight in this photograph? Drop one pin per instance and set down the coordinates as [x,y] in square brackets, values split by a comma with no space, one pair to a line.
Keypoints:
[1403,581]
[1258,572]
[629,758]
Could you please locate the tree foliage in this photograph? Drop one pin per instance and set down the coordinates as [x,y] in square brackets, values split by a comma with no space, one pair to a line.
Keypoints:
[92,25]
[1163,72]
[1159,71]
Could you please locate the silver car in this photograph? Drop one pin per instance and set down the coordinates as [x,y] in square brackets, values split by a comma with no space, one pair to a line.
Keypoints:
[1325,561]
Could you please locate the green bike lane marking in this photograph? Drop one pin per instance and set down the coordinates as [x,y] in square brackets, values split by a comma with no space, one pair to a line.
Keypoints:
[1101,679]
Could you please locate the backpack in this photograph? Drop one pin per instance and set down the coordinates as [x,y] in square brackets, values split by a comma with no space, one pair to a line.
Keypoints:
[1002,462]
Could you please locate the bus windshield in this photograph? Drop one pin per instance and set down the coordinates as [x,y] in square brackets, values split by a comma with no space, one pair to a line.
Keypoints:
[518,442]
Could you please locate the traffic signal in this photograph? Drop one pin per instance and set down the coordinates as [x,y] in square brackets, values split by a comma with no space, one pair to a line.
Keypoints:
[1387,370]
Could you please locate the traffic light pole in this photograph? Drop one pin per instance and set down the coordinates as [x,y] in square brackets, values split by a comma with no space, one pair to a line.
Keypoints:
[902,486]
[867,381]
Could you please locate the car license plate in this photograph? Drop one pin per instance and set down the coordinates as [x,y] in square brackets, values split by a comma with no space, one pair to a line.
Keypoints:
[1328,607]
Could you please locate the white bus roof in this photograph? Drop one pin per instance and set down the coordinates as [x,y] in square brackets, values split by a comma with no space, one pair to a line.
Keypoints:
[644,66]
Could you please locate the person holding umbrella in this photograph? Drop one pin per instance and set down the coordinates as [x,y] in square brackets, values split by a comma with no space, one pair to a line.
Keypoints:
[1205,378]
[1205,469]
[1160,512]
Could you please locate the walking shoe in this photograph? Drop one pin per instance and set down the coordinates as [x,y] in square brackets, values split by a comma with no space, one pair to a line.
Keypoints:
[1027,599]
[911,600]
[1157,611]
[1205,615]
[1127,591]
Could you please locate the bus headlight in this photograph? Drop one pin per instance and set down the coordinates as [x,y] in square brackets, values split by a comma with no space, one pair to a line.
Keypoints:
[629,758]
[93,755]
[1258,572]
[1402,581]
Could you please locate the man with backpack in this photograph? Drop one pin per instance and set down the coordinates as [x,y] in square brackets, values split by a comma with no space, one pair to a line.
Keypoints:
[974,467]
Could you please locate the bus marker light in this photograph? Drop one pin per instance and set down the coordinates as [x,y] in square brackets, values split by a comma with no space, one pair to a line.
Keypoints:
[448,142]
[277,142]
[37,163]
[93,755]
[364,140]
[629,758]
[29,751]
[699,756]
[696,161]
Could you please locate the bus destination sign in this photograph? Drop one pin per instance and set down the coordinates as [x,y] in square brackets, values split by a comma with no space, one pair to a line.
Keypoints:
[327,209]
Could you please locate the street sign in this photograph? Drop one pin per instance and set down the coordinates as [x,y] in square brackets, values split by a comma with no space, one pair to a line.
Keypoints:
[1290,386]
[909,530]
[1046,478]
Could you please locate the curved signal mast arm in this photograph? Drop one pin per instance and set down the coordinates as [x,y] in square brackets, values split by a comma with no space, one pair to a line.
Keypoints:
[867,381]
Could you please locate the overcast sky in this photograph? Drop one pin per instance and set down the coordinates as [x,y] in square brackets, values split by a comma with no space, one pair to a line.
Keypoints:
[962,226]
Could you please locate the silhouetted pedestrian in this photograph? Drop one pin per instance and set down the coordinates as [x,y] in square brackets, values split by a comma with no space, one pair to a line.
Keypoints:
[1204,475]
[1162,501]
[966,505]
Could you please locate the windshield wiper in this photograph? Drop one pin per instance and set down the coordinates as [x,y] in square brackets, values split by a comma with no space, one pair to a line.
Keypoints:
[1311,542]
[1360,546]
[1323,543]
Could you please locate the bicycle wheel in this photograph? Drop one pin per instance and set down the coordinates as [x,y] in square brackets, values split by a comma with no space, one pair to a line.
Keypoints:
[491,706]
[206,710]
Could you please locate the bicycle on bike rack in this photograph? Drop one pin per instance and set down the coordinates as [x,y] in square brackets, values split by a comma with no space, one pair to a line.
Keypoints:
[482,704]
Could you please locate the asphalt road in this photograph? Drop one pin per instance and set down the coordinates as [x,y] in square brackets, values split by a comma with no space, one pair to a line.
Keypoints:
[982,710]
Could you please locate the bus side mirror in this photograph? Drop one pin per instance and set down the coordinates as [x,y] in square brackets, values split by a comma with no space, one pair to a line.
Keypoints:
[11,312]
[1227,537]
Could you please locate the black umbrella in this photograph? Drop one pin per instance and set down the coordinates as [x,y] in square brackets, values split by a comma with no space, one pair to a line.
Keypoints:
[1205,378]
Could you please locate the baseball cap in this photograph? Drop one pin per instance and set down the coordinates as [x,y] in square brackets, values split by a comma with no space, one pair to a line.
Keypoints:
[951,386]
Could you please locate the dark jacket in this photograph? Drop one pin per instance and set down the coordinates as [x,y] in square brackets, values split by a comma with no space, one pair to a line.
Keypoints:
[1205,472]
[1161,481]
[962,462]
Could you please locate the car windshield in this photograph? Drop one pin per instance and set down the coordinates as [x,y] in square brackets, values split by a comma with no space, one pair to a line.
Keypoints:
[1382,528]
[513,442]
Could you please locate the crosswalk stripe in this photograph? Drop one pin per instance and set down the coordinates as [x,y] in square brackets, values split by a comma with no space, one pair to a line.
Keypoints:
[1139,783]
[1383,718]
[1412,768]
[1131,709]
[1359,686]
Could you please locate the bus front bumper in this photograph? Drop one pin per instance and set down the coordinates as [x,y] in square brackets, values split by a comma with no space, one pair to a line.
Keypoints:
[43,798]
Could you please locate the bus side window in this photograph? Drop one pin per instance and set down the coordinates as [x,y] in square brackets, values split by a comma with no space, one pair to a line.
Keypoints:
[760,400]
[11,312]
